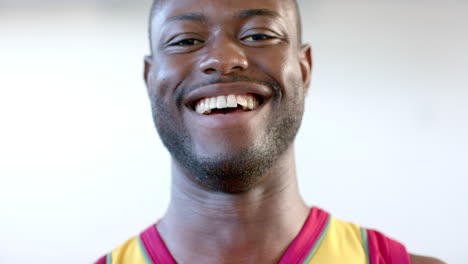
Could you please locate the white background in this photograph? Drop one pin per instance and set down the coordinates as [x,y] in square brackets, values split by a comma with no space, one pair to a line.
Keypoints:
[384,142]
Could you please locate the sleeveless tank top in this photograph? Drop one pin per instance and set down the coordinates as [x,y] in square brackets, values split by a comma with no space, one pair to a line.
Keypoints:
[322,239]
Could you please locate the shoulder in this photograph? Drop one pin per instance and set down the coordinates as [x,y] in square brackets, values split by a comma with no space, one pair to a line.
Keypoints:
[383,246]
[379,247]
[415,259]
[129,252]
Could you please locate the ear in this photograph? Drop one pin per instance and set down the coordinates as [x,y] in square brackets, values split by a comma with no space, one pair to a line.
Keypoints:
[305,60]
[147,69]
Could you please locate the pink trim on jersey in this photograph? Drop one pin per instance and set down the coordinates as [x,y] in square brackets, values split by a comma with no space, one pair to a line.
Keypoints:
[102,260]
[384,250]
[300,248]
[155,247]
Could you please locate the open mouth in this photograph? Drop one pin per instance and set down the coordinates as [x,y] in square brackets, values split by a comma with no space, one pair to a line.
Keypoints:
[226,104]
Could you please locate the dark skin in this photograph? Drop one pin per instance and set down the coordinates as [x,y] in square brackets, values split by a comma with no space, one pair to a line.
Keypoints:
[256,219]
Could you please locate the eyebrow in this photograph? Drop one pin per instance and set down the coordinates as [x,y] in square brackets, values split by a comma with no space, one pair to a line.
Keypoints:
[258,12]
[248,13]
[193,16]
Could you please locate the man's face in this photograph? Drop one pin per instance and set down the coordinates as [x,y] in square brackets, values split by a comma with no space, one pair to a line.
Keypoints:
[227,81]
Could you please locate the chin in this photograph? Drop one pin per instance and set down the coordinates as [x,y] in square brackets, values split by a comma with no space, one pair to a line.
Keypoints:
[234,173]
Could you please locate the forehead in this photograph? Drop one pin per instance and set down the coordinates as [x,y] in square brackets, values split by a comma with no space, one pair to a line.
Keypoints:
[217,10]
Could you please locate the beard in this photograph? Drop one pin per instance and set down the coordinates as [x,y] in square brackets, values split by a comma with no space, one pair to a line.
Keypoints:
[232,172]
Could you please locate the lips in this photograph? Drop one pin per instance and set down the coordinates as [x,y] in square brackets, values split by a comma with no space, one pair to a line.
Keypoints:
[261,92]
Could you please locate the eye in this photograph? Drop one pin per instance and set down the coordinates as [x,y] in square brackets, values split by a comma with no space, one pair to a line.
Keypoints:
[258,37]
[186,42]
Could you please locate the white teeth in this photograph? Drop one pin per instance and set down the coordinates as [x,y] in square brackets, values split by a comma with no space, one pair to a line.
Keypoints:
[204,106]
[231,101]
[221,102]
[212,104]
[200,108]
[241,100]
[248,102]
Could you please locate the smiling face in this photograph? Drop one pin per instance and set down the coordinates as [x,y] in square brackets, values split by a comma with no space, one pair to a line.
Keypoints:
[227,81]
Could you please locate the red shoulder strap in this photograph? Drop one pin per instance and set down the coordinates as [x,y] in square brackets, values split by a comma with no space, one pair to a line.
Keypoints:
[102,260]
[384,250]
[155,247]
[308,239]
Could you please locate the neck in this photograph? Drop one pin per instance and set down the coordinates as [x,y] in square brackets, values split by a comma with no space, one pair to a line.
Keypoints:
[234,228]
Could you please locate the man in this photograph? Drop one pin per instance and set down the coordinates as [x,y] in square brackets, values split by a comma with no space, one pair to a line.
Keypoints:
[227,82]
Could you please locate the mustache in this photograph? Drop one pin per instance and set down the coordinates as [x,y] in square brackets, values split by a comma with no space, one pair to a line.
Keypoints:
[273,85]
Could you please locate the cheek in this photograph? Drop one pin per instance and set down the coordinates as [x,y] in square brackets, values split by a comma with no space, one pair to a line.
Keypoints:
[292,74]
[285,69]
[166,77]
[169,74]
[162,83]
[294,81]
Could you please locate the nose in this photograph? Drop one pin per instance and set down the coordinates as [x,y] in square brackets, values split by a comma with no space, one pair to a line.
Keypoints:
[224,57]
